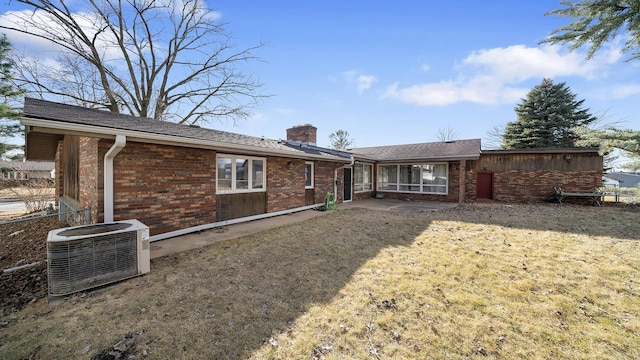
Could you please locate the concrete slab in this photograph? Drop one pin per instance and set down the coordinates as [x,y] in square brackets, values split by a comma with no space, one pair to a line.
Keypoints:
[208,237]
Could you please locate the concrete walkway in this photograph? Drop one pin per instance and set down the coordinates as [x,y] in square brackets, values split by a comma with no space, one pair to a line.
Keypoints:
[208,237]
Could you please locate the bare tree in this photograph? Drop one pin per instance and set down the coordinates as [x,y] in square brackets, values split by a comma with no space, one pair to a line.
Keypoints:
[494,138]
[161,59]
[447,134]
[341,140]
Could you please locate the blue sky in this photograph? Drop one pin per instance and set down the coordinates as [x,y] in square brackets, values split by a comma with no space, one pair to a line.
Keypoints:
[398,72]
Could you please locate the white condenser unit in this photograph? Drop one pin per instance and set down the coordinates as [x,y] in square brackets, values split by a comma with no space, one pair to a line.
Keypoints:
[83,257]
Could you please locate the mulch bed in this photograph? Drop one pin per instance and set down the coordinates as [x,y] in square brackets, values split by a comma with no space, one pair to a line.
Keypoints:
[23,243]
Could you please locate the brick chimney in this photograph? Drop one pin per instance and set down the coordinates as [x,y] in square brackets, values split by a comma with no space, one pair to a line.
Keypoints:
[305,134]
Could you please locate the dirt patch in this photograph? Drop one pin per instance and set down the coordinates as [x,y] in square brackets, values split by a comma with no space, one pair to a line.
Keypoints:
[22,244]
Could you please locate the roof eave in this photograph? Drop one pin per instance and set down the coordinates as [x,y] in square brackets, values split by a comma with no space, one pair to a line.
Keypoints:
[64,128]
[431,158]
[584,150]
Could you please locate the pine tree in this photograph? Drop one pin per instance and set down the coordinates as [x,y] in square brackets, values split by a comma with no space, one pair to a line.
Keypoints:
[8,115]
[596,22]
[547,118]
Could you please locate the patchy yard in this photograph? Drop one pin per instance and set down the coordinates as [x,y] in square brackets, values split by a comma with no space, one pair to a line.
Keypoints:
[478,281]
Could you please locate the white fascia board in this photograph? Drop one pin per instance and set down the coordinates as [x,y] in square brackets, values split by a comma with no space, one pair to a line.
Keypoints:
[62,128]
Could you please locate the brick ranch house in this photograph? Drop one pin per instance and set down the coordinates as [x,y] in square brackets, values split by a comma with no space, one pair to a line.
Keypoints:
[178,178]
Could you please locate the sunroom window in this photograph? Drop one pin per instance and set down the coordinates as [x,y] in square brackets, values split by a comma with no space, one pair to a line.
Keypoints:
[240,174]
[414,178]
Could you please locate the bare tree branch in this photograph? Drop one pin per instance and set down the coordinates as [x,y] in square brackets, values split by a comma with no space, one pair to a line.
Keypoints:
[165,60]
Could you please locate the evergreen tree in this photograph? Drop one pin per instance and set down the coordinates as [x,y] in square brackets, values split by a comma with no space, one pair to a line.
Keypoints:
[9,127]
[596,22]
[547,118]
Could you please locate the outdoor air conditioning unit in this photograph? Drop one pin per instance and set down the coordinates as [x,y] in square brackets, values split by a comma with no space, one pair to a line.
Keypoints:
[84,257]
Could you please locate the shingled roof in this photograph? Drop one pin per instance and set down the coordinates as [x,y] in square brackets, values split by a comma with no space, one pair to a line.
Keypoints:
[432,151]
[46,114]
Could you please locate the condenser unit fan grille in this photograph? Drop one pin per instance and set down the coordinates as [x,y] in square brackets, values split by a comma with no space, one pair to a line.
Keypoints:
[81,264]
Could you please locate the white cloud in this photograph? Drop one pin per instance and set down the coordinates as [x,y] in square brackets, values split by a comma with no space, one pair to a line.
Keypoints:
[355,78]
[518,63]
[622,91]
[90,22]
[365,82]
[496,76]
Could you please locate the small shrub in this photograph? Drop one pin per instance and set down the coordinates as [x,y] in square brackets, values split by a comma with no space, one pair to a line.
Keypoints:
[36,194]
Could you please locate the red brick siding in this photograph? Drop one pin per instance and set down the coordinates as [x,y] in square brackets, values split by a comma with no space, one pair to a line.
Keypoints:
[470,181]
[167,188]
[362,195]
[285,183]
[537,185]
[170,188]
[90,175]
[340,186]
[324,179]
[532,177]
[303,133]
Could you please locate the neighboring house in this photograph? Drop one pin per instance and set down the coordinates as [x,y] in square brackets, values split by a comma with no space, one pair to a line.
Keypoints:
[26,170]
[609,182]
[178,178]
[624,179]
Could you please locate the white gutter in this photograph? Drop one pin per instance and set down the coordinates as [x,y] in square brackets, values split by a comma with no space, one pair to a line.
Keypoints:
[216,224]
[120,143]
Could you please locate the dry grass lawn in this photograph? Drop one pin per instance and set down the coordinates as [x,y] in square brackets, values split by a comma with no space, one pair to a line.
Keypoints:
[481,281]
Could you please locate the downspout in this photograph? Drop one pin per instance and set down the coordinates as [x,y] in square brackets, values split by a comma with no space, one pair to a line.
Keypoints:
[120,143]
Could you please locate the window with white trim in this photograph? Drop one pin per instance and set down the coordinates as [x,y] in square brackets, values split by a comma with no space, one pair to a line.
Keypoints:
[308,175]
[414,178]
[362,177]
[237,174]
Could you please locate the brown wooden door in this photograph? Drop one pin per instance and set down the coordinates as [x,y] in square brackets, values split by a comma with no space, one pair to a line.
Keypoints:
[484,186]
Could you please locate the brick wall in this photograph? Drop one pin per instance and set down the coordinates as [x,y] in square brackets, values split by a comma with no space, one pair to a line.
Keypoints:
[285,183]
[167,188]
[170,188]
[525,177]
[303,133]
[324,173]
[470,181]
[340,186]
[362,195]
[90,174]
[537,185]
